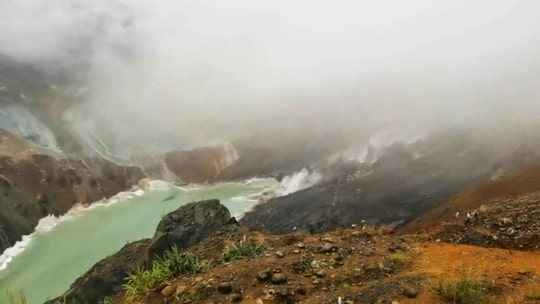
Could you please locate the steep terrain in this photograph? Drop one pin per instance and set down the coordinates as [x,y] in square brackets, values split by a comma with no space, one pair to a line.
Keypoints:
[360,266]
[37,185]
[180,229]
[33,107]
[494,257]
[41,171]
[394,187]
[379,228]
[200,165]
[519,183]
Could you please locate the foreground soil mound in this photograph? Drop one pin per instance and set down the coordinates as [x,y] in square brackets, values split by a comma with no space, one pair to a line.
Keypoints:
[351,266]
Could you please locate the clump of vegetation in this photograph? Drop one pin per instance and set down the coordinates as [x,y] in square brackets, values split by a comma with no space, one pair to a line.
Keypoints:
[241,250]
[397,258]
[465,291]
[173,264]
[304,264]
[345,285]
[301,266]
[107,300]
[141,281]
[377,229]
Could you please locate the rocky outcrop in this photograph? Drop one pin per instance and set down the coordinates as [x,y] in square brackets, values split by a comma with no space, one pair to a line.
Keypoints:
[182,228]
[256,160]
[511,223]
[201,164]
[252,161]
[34,186]
[215,164]
[521,182]
[187,226]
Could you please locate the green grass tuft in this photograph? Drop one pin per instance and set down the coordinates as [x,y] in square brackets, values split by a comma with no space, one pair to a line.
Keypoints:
[173,264]
[465,291]
[242,250]
[107,300]
[397,258]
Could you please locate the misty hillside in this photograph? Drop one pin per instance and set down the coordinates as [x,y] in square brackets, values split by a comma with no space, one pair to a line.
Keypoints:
[129,76]
[401,106]
[309,119]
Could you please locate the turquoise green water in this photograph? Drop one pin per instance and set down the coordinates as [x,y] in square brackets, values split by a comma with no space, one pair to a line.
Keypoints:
[54,259]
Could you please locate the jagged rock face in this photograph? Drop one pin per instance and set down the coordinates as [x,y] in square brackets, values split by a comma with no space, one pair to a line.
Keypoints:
[252,162]
[184,227]
[38,185]
[188,225]
[263,161]
[199,165]
[12,224]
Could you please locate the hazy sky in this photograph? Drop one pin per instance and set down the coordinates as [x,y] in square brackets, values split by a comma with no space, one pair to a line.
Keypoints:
[208,70]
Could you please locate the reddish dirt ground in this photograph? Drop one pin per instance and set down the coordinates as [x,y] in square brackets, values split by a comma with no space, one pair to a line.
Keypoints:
[515,273]
[521,182]
[360,263]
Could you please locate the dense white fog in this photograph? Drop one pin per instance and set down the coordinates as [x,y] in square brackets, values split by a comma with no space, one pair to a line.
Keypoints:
[188,73]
